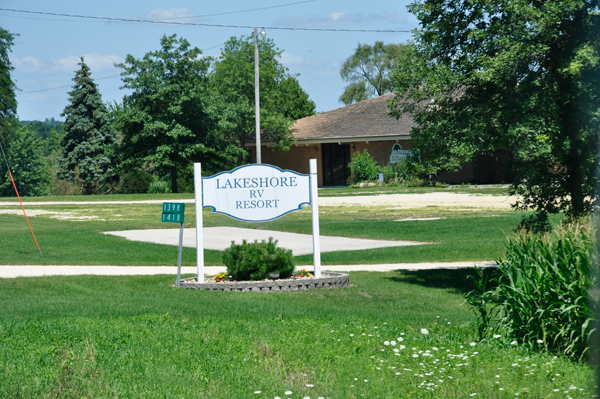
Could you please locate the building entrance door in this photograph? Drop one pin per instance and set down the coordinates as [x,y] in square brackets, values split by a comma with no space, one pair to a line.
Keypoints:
[336,171]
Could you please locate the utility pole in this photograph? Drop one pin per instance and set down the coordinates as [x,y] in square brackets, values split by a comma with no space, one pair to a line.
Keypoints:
[257,92]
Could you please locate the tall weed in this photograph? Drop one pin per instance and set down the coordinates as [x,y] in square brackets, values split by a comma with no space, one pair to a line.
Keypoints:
[542,290]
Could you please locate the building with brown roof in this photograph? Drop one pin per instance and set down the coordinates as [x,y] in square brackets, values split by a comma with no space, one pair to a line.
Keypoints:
[333,137]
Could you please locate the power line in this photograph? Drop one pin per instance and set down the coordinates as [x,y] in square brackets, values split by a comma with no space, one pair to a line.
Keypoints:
[149,21]
[62,87]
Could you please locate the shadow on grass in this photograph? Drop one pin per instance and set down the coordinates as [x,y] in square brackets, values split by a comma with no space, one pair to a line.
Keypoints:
[456,280]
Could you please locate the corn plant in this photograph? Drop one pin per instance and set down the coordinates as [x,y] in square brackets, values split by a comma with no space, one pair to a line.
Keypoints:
[542,290]
[481,299]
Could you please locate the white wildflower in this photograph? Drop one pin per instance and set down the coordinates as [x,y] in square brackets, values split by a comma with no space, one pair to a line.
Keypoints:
[424,331]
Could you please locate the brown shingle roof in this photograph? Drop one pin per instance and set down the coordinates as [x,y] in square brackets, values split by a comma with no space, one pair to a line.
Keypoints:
[365,118]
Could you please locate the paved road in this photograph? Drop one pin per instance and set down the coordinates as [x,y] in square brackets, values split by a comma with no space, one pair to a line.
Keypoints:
[34,271]
[441,199]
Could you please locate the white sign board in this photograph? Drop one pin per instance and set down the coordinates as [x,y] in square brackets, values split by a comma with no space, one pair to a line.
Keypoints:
[256,193]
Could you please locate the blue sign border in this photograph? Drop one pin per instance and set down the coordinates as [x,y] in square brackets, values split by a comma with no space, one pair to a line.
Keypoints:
[254,165]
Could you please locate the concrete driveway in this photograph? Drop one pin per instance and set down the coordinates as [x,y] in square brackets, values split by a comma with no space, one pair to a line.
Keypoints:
[219,238]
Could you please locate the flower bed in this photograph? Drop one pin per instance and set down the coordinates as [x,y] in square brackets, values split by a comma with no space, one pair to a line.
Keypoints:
[294,283]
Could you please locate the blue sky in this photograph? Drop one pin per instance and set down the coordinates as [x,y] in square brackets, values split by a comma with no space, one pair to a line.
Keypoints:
[46,53]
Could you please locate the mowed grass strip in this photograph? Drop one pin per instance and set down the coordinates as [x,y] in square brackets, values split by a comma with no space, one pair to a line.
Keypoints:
[131,337]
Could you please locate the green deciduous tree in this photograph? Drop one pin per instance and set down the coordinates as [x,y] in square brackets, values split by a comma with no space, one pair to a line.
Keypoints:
[282,100]
[8,101]
[50,132]
[88,138]
[518,76]
[30,172]
[170,119]
[368,71]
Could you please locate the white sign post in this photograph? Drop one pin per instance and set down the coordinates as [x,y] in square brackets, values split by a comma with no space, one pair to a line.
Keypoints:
[256,193]
[199,223]
[314,196]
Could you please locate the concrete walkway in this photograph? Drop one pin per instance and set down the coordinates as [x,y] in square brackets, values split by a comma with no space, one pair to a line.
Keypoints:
[34,271]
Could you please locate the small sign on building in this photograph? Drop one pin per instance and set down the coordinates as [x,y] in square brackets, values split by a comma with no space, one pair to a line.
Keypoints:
[398,154]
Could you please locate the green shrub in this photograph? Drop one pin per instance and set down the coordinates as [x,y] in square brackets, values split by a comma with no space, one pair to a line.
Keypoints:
[137,181]
[390,174]
[159,187]
[363,167]
[413,181]
[254,261]
[537,222]
[542,290]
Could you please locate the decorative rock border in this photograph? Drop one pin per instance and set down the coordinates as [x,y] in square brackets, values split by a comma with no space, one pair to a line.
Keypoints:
[327,280]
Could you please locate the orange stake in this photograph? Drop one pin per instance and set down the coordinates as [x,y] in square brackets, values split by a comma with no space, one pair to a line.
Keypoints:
[22,207]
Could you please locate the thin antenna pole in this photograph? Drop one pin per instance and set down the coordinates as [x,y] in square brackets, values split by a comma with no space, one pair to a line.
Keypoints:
[17,191]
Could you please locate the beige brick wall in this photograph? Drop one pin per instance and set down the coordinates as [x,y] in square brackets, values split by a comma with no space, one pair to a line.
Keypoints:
[379,150]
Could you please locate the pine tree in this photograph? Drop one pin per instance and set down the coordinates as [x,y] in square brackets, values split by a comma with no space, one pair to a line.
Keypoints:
[88,137]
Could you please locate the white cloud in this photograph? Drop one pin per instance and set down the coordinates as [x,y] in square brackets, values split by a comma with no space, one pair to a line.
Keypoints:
[96,62]
[336,15]
[68,63]
[26,64]
[339,18]
[288,59]
[171,13]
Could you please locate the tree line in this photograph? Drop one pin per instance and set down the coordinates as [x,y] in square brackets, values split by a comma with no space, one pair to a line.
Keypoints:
[182,108]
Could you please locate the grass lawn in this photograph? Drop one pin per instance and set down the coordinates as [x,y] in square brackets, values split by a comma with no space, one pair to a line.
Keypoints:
[132,337]
[72,234]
